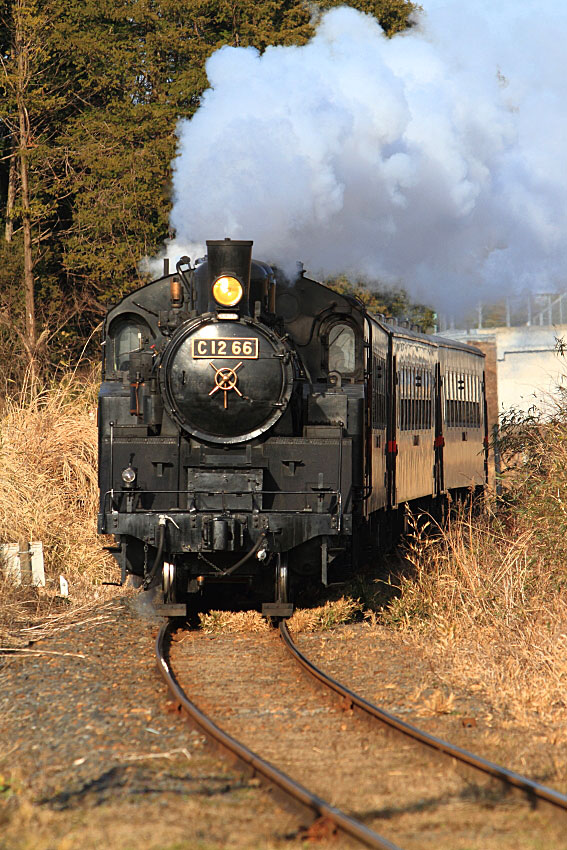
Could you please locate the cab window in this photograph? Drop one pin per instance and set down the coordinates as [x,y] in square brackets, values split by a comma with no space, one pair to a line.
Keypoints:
[342,349]
[126,336]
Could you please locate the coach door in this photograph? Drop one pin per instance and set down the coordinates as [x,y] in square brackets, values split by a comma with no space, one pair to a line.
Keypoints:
[415,418]
[464,418]
[376,416]
[439,436]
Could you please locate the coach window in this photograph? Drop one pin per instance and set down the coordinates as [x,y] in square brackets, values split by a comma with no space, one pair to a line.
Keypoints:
[462,404]
[415,386]
[342,349]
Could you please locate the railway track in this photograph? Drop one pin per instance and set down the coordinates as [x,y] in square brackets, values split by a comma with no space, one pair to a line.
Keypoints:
[534,792]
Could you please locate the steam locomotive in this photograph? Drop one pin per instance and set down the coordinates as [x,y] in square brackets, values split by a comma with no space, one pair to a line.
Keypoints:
[260,429]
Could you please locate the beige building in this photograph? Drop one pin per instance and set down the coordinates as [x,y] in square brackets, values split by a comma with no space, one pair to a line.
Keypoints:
[529,369]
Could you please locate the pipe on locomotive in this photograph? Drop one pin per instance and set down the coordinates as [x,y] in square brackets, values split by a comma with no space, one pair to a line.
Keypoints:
[162,523]
[150,577]
[256,548]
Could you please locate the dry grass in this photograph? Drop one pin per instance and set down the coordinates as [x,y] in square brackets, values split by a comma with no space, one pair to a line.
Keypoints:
[488,598]
[232,622]
[435,704]
[327,616]
[48,493]
[320,619]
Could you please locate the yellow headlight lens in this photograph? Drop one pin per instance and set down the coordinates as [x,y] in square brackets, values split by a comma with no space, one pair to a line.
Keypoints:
[227,291]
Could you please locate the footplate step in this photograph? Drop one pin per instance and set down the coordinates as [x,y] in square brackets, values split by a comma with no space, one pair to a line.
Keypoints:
[277,609]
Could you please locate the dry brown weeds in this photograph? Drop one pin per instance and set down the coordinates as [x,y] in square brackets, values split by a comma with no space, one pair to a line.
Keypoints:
[48,493]
[319,619]
[488,604]
[327,616]
[232,622]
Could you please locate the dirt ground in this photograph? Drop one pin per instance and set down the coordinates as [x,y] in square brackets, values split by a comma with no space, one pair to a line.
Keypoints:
[93,753]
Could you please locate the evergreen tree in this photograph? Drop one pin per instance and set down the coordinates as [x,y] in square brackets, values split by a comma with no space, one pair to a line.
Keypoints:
[393,15]
[91,94]
[390,302]
[31,96]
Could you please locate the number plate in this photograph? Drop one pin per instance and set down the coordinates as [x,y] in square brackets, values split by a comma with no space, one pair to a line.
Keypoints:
[245,348]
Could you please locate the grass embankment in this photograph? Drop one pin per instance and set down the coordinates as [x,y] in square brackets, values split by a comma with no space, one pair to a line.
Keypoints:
[48,493]
[488,600]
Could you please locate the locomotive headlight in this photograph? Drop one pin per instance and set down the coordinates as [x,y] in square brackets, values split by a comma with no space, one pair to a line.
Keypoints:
[227,291]
[128,476]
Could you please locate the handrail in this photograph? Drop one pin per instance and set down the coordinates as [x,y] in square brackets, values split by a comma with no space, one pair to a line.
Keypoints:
[336,507]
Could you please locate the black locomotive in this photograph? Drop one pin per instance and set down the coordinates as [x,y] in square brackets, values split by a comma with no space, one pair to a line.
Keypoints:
[262,431]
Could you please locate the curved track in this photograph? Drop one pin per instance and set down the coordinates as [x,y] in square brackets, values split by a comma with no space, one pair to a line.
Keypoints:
[534,791]
[293,790]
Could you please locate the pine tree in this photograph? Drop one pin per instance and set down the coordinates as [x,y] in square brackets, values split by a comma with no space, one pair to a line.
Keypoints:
[393,15]
[31,98]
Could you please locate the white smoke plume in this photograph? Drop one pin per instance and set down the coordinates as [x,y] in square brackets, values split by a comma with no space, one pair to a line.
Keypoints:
[435,160]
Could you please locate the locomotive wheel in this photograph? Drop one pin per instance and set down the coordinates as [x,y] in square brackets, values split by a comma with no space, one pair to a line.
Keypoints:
[169,575]
[282,578]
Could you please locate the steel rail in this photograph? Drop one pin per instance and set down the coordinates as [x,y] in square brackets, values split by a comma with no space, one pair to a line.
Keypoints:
[298,793]
[533,790]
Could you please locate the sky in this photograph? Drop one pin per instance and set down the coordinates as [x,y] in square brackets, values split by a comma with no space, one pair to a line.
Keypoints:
[435,160]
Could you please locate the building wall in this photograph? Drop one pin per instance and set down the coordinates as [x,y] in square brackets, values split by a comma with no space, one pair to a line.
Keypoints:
[529,371]
[488,348]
